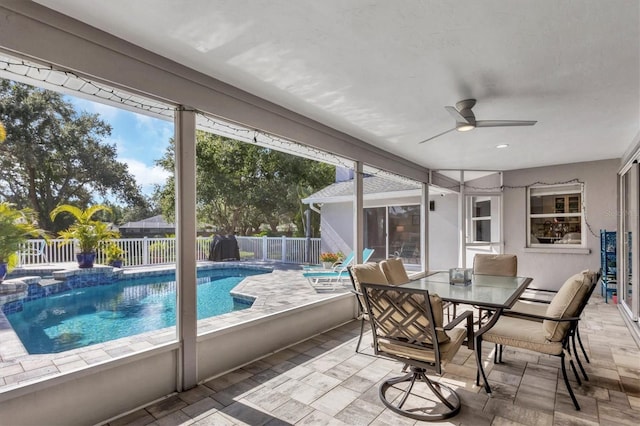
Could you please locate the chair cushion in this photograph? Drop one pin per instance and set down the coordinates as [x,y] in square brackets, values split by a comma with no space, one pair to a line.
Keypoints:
[495,264]
[522,333]
[565,304]
[366,273]
[369,273]
[531,308]
[393,269]
[447,349]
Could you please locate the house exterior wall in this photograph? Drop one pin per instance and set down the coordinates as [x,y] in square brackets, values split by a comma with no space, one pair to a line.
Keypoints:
[551,268]
[337,227]
[443,233]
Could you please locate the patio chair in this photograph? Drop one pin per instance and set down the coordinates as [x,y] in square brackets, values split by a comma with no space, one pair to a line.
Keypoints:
[407,325]
[409,250]
[369,273]
[393,269]
[504,265]
[330,278]
[534,308]
[32,253]
[551,336]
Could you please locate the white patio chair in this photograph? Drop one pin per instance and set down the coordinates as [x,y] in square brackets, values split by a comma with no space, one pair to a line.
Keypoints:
[33,253]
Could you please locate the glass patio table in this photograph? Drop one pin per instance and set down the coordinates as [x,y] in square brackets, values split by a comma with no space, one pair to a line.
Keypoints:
[486,291]
[492,292]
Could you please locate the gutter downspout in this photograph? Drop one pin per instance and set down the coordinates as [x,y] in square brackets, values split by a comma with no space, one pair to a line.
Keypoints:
[314,208]
[308,256]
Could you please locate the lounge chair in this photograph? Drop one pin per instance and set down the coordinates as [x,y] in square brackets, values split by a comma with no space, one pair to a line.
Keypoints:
[346,261]
[33,254]
[330,278]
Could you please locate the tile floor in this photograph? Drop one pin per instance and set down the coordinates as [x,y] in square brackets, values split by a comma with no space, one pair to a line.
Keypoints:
[322,381]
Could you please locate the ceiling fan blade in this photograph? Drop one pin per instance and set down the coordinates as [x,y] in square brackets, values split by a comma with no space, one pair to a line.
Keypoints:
[504,123]
[437,136]
[456,115]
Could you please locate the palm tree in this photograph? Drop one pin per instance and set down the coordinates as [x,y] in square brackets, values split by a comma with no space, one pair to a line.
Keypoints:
[88,232]
[16,226]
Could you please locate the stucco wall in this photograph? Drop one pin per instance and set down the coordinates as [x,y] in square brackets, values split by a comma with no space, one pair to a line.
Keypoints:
[551,269]
[336,225]
[337,228]
[443,233]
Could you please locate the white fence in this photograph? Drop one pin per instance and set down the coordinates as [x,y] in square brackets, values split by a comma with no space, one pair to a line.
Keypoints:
[154,251]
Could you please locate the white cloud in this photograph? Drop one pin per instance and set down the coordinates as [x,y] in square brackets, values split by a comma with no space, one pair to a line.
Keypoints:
[153,129]
[146,175]
[121,144]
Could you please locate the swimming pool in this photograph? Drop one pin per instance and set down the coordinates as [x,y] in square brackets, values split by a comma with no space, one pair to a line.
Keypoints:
[91,315]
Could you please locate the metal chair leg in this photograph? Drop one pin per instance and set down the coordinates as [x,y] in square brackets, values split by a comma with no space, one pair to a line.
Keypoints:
[361,333]
[480,369]
[567,384]
[451,402]
[586,357]
[573,367]
[575,355]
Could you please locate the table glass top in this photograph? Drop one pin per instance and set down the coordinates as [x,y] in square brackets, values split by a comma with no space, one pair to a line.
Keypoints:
[484,290]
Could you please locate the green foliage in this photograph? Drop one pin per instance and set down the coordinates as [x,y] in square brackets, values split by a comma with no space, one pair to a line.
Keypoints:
[113,252]
[16,227]
[89,232]
[242,186]
[54,155]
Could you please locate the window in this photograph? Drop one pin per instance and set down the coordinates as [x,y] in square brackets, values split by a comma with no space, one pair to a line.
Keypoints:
[556,215]
[481,219]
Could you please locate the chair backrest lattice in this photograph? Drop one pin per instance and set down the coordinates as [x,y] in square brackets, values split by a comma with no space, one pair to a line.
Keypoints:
[406,323]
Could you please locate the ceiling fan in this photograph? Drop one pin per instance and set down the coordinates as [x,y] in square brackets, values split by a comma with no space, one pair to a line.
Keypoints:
[466,120]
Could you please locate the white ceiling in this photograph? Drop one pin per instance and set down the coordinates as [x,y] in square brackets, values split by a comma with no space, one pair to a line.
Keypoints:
[382,71]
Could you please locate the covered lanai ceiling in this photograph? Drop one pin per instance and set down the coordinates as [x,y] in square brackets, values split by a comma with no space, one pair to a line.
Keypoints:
[383,71]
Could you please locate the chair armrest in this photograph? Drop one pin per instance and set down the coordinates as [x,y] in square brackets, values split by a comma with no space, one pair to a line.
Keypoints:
[468,315]
[359,297]
[538,317]
[544,290]
[354,291]
[457,320]
[533,299]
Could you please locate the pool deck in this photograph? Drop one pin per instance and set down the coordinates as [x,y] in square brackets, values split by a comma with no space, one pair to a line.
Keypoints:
[282,289]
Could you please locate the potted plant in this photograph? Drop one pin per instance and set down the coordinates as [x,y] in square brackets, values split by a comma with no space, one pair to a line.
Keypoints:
[114,254]
[328,259]
[88,232]
[16,227]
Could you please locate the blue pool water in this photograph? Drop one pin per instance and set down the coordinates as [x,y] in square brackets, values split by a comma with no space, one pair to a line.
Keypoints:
[91,315]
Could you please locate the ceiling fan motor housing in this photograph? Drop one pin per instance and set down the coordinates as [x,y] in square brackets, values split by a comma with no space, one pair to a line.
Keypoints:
[464,108]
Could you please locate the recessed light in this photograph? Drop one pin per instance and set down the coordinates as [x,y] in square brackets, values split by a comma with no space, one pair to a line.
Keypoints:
[504,145]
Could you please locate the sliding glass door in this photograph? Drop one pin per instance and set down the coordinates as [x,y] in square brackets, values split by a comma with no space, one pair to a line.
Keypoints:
[393,231]
[628,241]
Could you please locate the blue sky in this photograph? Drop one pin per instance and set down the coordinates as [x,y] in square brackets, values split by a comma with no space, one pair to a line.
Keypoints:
[139,140]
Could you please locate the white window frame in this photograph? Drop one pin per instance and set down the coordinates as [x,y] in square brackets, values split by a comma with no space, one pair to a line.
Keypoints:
[475,219]
[563,189]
